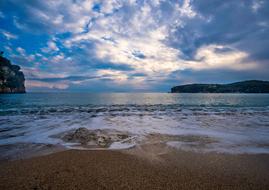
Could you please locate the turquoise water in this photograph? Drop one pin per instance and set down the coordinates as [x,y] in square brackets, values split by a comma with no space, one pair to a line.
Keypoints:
[238,123]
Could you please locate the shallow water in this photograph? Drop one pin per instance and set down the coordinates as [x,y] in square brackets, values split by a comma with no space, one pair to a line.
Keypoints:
[234,123]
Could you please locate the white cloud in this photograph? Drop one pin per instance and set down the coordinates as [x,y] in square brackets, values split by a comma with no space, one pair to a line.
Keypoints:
[37,73]
[2,15]
[117,76]
[21,51]
[8,49]
[218,56]
[110,6]
[30,84]
[59,16]
[118,38]
[186,9]
[256,5]
[58,58]
[157,56]
[52,45]
[58,19]
[116,42]
[143,30]
[8,35]
[21,57]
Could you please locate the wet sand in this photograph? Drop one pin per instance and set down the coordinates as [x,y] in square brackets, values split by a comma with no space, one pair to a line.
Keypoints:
[144,168]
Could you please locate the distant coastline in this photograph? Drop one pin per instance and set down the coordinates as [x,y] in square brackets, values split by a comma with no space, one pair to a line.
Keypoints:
[249,86]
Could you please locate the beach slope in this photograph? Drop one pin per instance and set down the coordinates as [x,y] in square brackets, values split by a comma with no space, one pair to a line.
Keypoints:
[76,169]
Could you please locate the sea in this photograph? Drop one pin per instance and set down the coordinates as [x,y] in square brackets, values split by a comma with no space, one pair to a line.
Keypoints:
[223,123]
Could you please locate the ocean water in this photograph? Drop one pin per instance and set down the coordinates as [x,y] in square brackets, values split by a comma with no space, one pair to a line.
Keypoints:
[229,123]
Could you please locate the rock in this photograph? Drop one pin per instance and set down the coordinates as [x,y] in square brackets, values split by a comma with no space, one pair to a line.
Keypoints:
[103,140]
[81,135]
[11,78]
[94,138]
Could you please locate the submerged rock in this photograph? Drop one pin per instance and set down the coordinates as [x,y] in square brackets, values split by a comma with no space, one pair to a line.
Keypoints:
[11,78]
[94,138]
[103,140]
[81,135]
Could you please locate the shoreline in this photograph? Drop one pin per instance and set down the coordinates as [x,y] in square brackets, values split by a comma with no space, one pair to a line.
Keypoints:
[147,167]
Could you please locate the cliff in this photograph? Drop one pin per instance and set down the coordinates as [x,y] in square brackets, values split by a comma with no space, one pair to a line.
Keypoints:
[251,86]
[11,78]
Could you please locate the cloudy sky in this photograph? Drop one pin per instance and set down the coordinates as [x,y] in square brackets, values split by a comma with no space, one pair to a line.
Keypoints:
[135,45]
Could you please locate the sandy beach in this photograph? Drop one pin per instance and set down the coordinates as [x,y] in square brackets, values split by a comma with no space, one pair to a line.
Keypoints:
[144,168]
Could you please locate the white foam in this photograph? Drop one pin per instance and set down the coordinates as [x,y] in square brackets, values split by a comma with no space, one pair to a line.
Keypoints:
[232,129]
[124,144]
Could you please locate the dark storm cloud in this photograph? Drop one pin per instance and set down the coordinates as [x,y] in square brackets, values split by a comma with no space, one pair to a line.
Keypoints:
[69,78]
[234,23]
[214,76]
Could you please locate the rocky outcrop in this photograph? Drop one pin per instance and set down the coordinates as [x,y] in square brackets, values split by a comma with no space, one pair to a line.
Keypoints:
[251,86]
[94,138]
[11,78]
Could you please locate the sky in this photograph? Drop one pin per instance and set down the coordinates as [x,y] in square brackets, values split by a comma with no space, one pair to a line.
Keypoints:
[135,45]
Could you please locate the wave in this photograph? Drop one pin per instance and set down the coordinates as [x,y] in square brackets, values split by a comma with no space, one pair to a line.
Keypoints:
[237,129]
[129,110]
